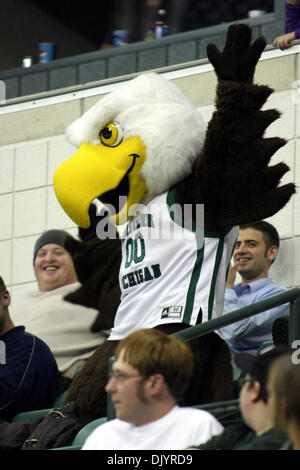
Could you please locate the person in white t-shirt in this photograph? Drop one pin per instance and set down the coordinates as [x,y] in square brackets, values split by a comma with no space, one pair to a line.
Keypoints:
[150,374]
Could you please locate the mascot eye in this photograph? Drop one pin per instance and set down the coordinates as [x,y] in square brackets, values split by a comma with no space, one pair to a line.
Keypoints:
[111,135]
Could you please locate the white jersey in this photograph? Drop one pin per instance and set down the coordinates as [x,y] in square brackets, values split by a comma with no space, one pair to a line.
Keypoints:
[178,429]
[170,274]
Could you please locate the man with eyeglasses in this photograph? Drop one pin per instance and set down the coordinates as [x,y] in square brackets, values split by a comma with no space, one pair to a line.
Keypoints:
[151,372]
[256,432]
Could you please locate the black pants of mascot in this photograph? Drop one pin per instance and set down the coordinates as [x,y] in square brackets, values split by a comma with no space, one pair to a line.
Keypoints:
[212,378]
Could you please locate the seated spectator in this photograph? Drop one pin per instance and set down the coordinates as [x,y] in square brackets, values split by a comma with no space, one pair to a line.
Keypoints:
[291,25]
[256,249]
[64,326]
[283,387]
[28,370]
[151,372]
[256,432]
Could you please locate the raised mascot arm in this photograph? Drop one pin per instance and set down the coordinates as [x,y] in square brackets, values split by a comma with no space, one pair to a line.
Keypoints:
[231,176]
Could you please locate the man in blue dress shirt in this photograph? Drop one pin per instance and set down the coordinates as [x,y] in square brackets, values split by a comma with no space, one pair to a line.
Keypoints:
[256,249]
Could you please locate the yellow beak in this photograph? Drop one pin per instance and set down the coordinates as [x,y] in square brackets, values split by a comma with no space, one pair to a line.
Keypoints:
[95,170]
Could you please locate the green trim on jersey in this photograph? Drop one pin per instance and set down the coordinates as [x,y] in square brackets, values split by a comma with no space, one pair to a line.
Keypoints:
[190,298]
[232,251]
[180,220]
[218,259]
[177,218]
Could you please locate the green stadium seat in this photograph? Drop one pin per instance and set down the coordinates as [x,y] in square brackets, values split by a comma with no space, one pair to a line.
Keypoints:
[31,415]
[58,403]
[82,435]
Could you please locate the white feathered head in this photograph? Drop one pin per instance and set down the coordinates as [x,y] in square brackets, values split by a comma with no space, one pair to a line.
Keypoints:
[150,115]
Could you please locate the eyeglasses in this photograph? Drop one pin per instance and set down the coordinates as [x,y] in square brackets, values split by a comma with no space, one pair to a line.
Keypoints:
[243,380]
[122,377]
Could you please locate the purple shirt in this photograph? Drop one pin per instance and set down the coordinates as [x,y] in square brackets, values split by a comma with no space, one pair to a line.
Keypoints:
[292,19]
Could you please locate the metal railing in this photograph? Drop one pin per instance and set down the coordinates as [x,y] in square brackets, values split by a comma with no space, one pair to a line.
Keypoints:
[230,408]
[291,296]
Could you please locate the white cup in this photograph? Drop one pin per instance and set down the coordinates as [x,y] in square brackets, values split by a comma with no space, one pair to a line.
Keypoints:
[254,13]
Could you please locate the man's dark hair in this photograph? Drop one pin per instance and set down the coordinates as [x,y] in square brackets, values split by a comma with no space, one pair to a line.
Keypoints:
[270,234]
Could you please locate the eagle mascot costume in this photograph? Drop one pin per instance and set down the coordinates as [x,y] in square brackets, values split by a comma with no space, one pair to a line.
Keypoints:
[146,154]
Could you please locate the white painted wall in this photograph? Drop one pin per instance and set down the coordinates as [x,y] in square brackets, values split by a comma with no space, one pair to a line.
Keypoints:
[28,205]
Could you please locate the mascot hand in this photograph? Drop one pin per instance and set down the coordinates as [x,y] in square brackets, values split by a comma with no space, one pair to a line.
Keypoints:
[235,179]
[238,60]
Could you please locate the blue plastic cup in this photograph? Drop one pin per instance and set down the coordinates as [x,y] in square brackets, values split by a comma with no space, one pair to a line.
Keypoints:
[46,51]
[120,37]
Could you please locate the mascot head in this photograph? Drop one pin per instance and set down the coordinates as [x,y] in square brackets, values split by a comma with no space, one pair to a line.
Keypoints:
[133,144]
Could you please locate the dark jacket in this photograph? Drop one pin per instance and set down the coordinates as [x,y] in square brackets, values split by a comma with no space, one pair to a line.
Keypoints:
[57,429]
[28,374]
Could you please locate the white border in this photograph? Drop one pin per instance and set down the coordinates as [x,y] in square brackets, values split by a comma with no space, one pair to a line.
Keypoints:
[102,89]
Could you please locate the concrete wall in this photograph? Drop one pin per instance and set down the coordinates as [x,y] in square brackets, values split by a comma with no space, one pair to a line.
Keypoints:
[82,69]
[32,145]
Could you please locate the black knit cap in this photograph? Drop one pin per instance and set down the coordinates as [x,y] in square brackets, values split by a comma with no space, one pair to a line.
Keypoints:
[51,236]
[258,366]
